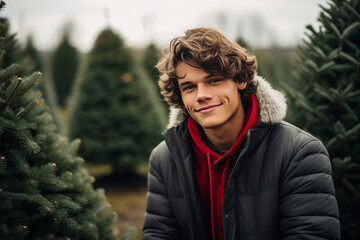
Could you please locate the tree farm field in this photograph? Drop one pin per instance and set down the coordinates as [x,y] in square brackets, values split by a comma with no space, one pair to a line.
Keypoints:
[125,193]
[127,197]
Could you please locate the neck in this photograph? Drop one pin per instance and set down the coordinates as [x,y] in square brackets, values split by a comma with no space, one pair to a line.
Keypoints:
[223,137]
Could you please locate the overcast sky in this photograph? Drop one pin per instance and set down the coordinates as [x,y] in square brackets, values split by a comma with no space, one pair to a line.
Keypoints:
[260,22]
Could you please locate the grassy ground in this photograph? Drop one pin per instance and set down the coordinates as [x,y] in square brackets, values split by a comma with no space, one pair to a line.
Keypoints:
[127,196]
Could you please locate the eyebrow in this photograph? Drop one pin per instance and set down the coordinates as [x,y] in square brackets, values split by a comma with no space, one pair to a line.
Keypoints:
[210,76]
[189,82]
[184,83]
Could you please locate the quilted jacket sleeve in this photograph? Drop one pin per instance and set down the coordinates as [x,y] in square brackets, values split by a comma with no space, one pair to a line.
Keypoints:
[159,220]
[308,207]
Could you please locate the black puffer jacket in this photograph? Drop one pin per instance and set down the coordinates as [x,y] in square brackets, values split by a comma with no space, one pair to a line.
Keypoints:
[280,187]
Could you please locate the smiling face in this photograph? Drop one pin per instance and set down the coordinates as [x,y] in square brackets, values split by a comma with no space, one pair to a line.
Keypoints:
[211,100]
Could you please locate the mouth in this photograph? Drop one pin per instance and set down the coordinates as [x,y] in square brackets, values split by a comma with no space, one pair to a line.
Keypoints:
[207,109]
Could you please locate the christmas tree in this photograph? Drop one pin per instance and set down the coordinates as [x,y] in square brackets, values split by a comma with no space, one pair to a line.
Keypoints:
[31,52]
[28,59]
[150,58]
[274,63]
[45,191]
[113,113]
[13,52]
[325,100]
[241,41]
[33,62]
[64,66]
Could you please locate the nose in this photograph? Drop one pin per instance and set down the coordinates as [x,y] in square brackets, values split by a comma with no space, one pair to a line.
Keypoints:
[203,93]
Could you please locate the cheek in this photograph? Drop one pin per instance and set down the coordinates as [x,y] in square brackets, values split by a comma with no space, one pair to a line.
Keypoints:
[187,100]
[234,98]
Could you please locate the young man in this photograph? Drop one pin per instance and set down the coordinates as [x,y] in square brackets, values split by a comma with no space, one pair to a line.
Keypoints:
[230,167]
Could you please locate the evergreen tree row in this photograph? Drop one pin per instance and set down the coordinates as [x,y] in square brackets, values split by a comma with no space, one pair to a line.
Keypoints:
[150,57]
[113,112]
[45,191]
[65,64]
[326,100]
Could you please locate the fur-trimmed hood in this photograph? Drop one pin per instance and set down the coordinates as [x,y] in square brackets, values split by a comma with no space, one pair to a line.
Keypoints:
[272,105]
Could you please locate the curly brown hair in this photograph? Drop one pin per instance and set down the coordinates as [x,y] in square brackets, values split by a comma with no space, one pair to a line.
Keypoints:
[208,49]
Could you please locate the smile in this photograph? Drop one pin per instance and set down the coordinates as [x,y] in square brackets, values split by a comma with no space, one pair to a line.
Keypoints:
[207,109]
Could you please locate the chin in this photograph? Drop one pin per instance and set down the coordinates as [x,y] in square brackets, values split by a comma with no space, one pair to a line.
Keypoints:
[209,123]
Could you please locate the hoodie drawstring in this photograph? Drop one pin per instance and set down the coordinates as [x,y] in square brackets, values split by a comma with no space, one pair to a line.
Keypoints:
[212,207]
[224,176]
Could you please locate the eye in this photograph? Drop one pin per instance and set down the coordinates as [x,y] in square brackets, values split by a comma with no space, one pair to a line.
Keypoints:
[188,87]
[215,80]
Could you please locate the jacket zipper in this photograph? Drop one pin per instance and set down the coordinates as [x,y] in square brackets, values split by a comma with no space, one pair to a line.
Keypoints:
[247,143]
[184,178]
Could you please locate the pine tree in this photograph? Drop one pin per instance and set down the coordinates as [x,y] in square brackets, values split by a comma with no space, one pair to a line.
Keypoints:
[113,113]
[274,63]
[13,52]
[64,67]
[45,191]
[31,61]
[326,100]
[150,58]
[31,52]
[28,59]
[241,41]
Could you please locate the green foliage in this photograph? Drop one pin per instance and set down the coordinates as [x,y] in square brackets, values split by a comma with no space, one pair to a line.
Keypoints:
[129,235]
[45,191]
[326,100]
[12,46]
[13,52]
[28,58]
[276,65]
[113,113]
[150,58]
[64,67]
[34,60]
[241,41]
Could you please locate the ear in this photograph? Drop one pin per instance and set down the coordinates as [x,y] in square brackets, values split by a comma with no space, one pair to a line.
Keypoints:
[241,85]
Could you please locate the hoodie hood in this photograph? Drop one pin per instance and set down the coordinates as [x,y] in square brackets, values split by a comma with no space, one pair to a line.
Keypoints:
[272,105]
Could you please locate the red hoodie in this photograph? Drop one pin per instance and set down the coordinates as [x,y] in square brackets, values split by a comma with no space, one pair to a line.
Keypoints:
[213,170]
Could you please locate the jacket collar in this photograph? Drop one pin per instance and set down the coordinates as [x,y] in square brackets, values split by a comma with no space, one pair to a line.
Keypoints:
[272,105]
